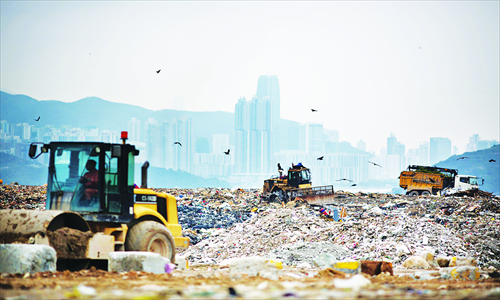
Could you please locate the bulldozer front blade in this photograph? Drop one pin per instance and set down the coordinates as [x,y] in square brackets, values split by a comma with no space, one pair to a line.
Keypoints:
[314,195]
[42,227]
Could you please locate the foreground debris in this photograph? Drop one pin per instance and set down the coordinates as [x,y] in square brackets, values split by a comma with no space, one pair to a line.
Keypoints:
[211,282]
[303,246]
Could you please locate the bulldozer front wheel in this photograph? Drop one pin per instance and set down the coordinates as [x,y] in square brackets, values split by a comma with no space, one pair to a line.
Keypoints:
[151,236]
[278,196]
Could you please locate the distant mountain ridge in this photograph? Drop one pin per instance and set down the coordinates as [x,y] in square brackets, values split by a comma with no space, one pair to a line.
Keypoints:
[105,115]
[478,164]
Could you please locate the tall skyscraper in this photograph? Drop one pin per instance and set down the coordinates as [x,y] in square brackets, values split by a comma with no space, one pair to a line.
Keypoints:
[440,149]
[177,157]
[153,150]
[473,140]
[391,141]
[253,135]
[134,130]
[311,138]
[394,147]
[423,153]
[268,86]
[242,127]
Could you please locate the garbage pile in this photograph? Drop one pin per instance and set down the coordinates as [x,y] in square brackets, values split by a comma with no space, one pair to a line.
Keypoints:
[229,223]
[204,209]
[22,196]
[378,227]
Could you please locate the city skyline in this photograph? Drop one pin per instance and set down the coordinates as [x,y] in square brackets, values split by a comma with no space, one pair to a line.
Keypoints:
[474,140]
[214,163]
[415,69]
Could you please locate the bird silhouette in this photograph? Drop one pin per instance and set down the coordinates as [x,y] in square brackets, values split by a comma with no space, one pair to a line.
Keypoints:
[353,184]
[279,167]
[177,143]
[232,292]
[158,71]
[375,164]
[492,160]
[37,119]
[227,152]
[344,179]
[313,110]
[320,158]
[463,157]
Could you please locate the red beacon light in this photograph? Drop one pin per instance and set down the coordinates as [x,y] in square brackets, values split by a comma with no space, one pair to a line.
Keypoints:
[124,136]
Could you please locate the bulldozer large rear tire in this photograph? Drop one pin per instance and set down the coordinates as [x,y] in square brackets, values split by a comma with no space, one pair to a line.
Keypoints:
[151,236]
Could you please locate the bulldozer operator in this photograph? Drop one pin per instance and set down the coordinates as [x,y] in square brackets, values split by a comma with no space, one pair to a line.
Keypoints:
[90,180]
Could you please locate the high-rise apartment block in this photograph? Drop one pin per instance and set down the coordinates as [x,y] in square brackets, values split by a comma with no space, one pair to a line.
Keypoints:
[253,124]
[476,143]
[257,128]
[134,131]
[440,149]
[175,156]
[268,86]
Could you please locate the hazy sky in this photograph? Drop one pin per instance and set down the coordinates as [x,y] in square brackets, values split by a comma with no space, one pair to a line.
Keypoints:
[416,69]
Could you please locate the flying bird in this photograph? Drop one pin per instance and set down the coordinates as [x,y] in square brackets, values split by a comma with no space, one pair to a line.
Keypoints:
[313,110]
[279,167]
[227,152]
[177,143]
[375,164]
[353,184]
[232,292]
[344,179]
[463,157]
[320,158]
[37,119]
[492,160]
[158,71]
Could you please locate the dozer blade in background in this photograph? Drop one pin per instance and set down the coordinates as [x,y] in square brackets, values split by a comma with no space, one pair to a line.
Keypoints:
[314,195]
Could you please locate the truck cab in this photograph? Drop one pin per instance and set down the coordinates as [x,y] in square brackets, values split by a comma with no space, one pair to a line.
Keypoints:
[467,182]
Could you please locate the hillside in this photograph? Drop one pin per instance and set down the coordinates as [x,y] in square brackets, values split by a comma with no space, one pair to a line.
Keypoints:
[31,173]
[106,115]
[24,172]
[478,164]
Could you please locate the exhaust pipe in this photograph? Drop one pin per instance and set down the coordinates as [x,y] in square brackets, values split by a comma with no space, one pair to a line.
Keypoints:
[144,169]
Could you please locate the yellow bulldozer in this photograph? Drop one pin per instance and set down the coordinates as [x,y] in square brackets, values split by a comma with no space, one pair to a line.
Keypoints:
[89,216]
[296,186]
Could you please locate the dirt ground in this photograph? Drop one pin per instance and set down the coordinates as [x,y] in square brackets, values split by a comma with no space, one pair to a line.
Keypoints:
[208,282]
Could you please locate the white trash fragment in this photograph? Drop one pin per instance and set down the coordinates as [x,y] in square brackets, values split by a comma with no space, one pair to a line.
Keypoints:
[356,282]
[86,291]
[416,262]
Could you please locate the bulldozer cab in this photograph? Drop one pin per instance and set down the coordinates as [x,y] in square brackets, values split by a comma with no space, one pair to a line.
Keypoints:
[91,178]
[298,176]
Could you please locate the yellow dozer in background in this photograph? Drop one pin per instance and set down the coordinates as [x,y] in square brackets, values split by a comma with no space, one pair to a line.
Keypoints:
[296,186]
[83,226]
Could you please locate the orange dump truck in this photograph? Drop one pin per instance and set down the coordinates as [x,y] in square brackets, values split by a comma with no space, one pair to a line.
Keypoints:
[426,180]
